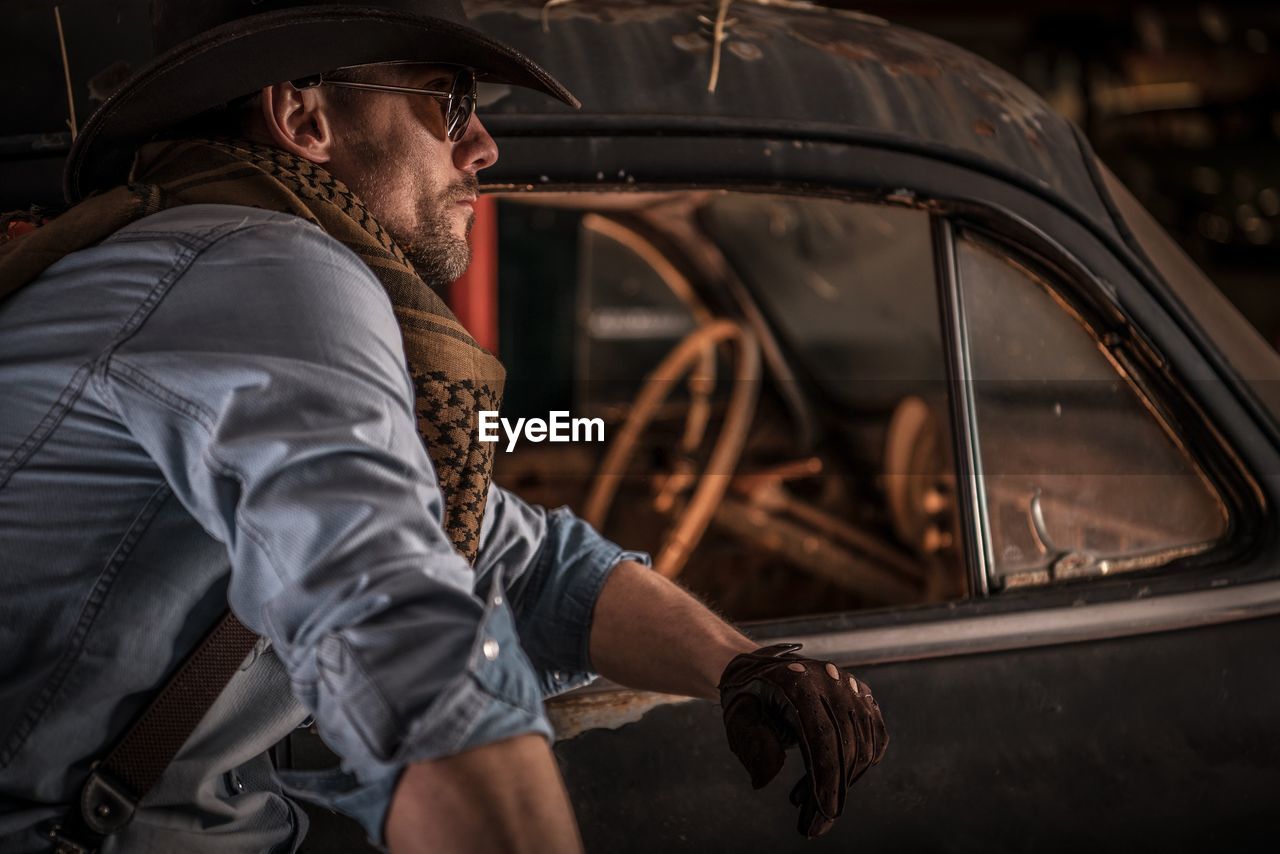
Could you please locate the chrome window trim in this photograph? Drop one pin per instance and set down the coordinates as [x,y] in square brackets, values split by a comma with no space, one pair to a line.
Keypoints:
[1048,627]
[973,509]
[934,638]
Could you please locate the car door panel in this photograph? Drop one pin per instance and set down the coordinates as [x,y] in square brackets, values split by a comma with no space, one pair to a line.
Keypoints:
[1155,742]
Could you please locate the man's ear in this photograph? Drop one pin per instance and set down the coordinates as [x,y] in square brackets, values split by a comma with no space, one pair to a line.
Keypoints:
[297,120]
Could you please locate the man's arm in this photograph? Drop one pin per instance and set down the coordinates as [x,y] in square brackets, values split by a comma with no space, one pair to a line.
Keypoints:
[650,633]
[508,796]
[499,798]
[553,566]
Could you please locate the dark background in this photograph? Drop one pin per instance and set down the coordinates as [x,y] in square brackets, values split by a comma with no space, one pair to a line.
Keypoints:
[1181,99]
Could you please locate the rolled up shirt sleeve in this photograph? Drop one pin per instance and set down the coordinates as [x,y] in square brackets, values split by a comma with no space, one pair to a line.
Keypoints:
[554,566]
[268,383]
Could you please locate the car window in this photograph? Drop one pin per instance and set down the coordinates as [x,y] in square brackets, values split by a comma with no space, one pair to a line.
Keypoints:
[841,495]
[629,313]
[1080,474]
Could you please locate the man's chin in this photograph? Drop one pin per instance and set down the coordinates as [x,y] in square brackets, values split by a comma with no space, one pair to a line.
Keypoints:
[439,251]
[442,264]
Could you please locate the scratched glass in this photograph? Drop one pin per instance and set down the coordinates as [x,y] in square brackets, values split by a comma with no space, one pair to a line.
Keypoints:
[1081,475]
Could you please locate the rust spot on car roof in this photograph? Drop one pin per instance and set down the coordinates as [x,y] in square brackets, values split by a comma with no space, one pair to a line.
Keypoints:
[982,127]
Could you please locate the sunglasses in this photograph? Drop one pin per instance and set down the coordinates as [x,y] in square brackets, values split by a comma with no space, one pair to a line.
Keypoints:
[459,101]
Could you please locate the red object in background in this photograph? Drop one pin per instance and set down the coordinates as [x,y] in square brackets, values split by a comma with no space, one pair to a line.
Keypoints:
[474,296]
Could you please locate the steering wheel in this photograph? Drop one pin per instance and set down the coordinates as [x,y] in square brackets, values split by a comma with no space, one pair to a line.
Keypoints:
[696,357]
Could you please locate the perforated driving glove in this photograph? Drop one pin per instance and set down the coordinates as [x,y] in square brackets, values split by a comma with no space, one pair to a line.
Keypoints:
[774,699]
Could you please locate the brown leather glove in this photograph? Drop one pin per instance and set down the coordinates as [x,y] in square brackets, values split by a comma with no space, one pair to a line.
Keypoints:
[774,699]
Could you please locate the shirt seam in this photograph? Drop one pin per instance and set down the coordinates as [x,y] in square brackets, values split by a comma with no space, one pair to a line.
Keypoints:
[191,239]
[461,724]
[75,386]
[186,260]
[47,425]
[110,363]
[141,382]
[372,684]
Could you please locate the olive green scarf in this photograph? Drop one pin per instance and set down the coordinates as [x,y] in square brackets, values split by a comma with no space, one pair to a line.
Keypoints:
[454,377]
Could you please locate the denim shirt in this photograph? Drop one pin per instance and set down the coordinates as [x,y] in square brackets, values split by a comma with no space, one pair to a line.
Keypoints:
[211,408]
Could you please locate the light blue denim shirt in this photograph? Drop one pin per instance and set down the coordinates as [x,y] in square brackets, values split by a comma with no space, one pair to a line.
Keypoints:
[212,407]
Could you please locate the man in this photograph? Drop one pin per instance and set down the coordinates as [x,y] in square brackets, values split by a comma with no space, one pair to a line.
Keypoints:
[230,384]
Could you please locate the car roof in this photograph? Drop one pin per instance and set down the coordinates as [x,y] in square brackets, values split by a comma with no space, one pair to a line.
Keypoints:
[786,69]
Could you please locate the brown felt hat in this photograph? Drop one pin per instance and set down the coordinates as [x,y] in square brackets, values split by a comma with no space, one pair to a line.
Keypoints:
[213,51]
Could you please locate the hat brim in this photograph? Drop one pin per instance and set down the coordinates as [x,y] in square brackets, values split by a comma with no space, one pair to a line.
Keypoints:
[245,55]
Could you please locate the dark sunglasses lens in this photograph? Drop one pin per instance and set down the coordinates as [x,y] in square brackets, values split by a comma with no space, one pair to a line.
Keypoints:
[462,104]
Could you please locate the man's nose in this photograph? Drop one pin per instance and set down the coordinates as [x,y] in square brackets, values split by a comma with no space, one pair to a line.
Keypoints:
[476,150]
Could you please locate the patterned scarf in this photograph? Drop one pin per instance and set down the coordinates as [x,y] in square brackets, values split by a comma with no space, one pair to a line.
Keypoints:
[453,376]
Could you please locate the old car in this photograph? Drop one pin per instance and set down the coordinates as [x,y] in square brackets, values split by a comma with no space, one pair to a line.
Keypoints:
[892,366]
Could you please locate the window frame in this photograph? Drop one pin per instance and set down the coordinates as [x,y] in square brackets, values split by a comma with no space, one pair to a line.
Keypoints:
[1149,373]
[1096,299]
[1241,586]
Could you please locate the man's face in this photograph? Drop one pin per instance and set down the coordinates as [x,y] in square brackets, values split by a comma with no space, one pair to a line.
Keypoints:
[392,150]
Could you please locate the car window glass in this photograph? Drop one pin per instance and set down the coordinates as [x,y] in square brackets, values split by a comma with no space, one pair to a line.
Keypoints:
[852,291]
[629,316]
[842,496]
[1080,474]
[851,285]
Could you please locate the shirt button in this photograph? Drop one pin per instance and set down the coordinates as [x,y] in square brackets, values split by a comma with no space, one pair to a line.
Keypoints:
[490,649]
[497,600]
[558,676]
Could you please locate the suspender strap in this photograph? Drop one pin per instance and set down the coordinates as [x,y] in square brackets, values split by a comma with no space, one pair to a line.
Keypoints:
[120,781]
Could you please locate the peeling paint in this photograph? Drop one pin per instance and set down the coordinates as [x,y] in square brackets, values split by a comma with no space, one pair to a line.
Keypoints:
[901,196]
[692,42]
[579,712]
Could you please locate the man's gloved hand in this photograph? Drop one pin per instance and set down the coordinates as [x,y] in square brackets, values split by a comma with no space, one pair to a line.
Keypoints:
[774,699]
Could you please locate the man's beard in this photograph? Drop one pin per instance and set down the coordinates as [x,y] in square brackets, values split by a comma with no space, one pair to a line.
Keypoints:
[438,256]
[435,253]
[431,247]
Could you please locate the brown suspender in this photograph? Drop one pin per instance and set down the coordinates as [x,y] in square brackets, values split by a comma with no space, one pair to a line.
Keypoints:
[118,782]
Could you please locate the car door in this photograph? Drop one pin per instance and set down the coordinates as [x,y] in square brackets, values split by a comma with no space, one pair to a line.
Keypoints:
[1099,676]
[1104,682]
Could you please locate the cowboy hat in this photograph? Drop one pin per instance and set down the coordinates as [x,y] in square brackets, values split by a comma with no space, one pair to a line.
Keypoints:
[213,51]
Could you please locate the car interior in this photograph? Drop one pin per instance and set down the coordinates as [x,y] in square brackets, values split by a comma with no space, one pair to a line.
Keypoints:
[772,373]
